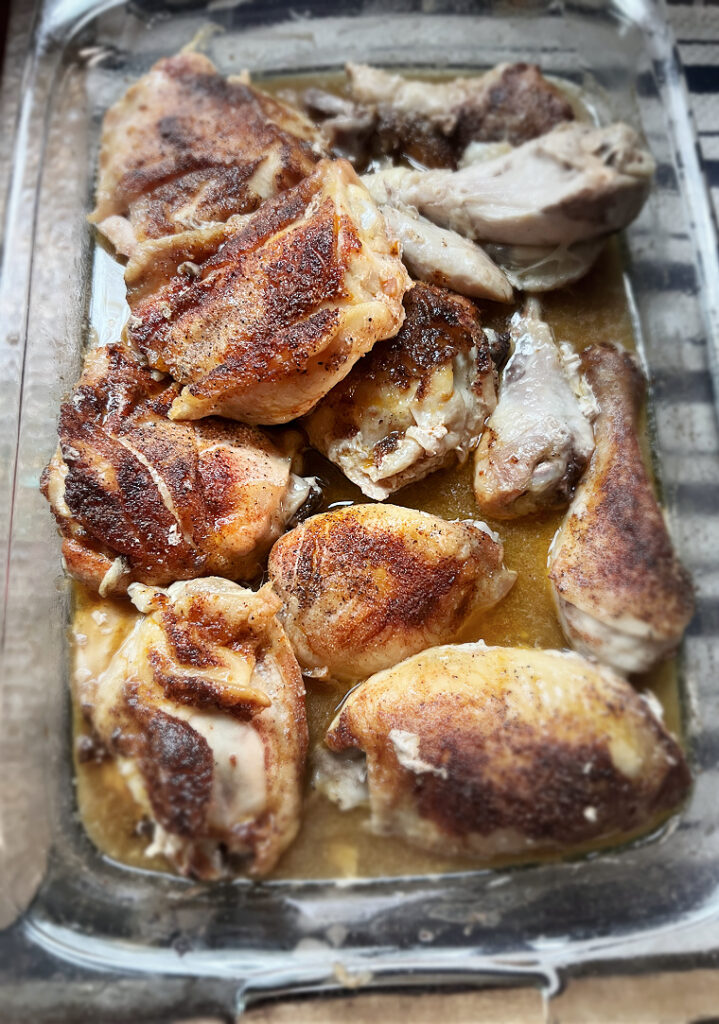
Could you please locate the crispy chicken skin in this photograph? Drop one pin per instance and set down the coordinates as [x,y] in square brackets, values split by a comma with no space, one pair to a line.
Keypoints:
[622,595]
[203,708]
[275,310]
[365,586]
[414,403]
[186,146]
[138,497]
[538,440]
[484,751]
[576,183]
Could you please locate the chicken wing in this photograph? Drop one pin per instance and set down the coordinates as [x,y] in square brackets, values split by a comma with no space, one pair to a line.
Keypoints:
[203,708]
[575,183]
[137,497]
[622,595]
[272,313]
[485,751]
[414,403]
[439,256]
[186,146]
[365,586]
[538,440]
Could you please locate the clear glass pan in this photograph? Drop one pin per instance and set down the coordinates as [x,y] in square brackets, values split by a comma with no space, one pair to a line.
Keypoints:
[68,912]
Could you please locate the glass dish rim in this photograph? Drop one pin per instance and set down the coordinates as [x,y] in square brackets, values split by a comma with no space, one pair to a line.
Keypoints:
[430,956]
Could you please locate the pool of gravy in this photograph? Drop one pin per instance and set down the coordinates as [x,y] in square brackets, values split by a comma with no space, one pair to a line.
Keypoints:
[331,843]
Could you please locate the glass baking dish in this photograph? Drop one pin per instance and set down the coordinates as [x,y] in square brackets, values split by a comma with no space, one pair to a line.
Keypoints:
[82,932]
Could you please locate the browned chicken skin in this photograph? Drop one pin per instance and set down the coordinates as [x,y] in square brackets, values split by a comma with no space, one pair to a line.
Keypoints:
[365,586]
[413,404]
[482,751]
[431,123]
[276,309]
[622,595]
[515,103]
[203,708]
[138,497]
[186,146]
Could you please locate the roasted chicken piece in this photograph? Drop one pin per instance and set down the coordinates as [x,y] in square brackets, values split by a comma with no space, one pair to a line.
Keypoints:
[444,257]
[348,128]
[262,317]
[137,497]
[365,586]
[203,708]
[186,146]
[484,751]
[622,595]
[538,440]
[439,256]
[414,403]
[575,183]
[433,122]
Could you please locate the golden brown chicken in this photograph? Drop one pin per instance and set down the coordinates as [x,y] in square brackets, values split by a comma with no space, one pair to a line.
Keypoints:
[365,586]
[484,751]
[138,497]
[276,308]
[203,708]
[186,146]
[415,403]
[622,595]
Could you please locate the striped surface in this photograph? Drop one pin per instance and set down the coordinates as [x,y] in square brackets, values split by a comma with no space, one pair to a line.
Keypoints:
[696,30]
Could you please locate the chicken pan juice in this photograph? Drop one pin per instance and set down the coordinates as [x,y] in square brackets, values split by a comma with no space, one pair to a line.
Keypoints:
[332,843]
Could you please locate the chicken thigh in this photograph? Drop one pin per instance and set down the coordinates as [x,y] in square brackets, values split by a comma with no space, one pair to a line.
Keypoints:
[575,183]
[622,595]
[137,497]
[414,403]
[538,440]
[488,751]
[185,146]
[365,586]
[262,318]
[203,708]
